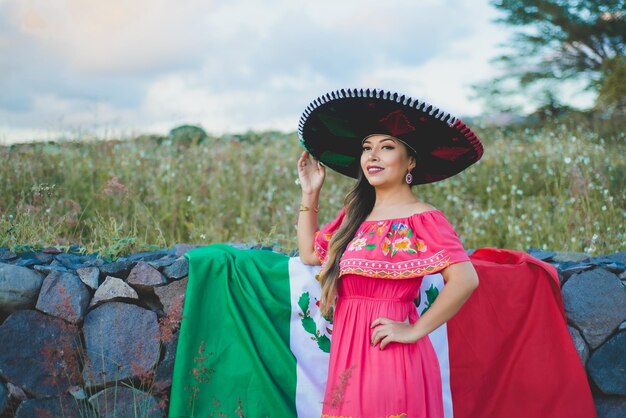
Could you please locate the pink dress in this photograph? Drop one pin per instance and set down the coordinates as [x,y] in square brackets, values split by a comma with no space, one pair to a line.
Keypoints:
[380,275]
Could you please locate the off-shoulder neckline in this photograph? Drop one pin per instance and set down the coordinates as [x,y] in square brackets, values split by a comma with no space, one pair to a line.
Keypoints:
[403,218]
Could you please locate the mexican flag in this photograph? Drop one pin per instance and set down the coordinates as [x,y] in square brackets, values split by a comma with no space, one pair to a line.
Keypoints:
[253,342]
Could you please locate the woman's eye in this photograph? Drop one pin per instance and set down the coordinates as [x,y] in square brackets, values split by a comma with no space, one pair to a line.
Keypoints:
[388,147]
[366,149]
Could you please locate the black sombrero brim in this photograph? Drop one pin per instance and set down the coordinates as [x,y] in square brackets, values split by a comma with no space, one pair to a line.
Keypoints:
[333,126]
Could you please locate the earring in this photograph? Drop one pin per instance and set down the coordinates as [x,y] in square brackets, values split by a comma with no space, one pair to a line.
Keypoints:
[408,178]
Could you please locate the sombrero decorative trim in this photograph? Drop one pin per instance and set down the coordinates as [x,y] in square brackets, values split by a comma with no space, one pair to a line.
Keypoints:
[333,125]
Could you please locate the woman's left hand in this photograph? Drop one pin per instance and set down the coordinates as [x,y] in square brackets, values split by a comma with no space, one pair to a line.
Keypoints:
[387,330]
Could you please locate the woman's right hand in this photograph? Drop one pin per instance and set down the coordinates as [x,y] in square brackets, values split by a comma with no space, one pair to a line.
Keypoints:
[311,174]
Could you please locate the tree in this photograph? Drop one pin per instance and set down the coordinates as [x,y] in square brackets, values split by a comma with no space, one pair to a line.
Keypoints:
[612,86]
[558,40]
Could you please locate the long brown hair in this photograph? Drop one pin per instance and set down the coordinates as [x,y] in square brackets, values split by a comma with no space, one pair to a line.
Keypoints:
[358,203]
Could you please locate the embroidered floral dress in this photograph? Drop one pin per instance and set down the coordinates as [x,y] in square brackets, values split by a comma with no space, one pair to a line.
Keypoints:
[380,275]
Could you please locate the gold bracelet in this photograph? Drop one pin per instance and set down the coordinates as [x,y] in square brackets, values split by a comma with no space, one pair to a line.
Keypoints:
[304,208]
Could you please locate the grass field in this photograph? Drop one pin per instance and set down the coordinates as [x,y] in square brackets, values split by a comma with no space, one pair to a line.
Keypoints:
[559,187]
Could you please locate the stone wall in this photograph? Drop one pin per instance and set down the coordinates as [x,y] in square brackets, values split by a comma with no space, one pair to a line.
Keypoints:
[81,337]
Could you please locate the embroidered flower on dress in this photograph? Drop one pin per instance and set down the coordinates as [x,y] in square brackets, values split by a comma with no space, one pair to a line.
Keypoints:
[399,238]
[402,244]
[398,228]
[357,244]
[386,247]
[420,245]
[403,230]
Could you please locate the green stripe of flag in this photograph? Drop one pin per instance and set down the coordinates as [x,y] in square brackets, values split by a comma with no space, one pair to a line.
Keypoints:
[233,352]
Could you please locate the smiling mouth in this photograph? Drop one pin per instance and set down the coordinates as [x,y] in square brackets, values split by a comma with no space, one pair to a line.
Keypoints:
[374,170]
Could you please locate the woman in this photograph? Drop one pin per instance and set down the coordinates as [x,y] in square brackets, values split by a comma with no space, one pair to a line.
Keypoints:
[376,252]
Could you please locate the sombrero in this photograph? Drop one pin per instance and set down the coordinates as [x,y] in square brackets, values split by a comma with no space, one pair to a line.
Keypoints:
[332,127]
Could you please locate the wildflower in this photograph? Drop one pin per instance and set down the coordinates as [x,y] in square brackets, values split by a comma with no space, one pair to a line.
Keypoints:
[113,186]
[339,389]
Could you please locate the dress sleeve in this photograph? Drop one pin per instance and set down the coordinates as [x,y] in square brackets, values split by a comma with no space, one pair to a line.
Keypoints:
[437,233]
[323,236]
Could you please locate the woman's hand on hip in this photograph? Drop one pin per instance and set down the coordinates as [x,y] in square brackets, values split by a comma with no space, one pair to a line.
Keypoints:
[311,173]
[387,330]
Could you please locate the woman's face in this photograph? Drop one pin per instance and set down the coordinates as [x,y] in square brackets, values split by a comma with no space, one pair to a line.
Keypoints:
[385,160]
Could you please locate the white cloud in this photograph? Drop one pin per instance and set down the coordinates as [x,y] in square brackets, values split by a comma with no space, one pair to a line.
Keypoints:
[233,65]
[115,36]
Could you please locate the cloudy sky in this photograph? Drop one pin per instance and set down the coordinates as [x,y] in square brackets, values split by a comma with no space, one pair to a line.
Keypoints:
[120,67]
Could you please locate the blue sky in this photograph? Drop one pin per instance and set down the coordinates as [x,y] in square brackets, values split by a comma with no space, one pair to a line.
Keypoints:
[122,67]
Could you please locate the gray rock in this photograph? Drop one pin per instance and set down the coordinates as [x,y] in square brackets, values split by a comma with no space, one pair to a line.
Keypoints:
[7,255]
[90,276]
[42,358]
[162,262]
[172,296]
[57,264]
[615,263]
[121,341]
[75,248]
[619,257]
[541,254]
[143,275]
[69,260]
[579,343]
[47,269]
[63,295]
[586,297]
[16,392]
[113,288]
[239,245]
[44,258]
[576,268]
[616,268]
[66,407]
[91,260]
[148,255]
[556,265]
[4,397]
[610,407]
[28,259]
[77,393]
[117,268]
[52,250]
[125,402]
[179,249]
[165,369]
[19,287]
[607,365]
[264,247]
[561,257]
[178,270]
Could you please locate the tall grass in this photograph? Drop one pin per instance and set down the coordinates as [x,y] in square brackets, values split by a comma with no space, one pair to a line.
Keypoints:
[556,187]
